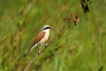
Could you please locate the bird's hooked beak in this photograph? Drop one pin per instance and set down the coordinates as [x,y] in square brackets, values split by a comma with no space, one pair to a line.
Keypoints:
[51,28]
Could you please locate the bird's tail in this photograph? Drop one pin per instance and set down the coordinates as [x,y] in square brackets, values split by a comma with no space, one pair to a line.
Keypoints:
[30,50]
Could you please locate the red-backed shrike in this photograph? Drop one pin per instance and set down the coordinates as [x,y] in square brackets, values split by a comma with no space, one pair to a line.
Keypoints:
[41,38]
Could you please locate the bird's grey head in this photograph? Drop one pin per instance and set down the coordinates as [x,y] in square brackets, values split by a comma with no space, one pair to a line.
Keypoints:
[45,27]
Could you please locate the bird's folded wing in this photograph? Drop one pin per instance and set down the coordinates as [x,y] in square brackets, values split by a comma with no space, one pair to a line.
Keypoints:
[39,37]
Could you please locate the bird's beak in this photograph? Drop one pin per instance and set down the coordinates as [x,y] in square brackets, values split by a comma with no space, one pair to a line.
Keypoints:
[51,28]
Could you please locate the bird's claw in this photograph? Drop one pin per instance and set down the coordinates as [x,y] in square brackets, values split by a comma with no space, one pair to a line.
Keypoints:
[38,52]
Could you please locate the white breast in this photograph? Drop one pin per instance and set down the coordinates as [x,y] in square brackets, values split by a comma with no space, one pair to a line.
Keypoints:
[45,38]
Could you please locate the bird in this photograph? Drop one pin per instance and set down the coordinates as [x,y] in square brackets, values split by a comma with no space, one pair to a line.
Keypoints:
[41,38]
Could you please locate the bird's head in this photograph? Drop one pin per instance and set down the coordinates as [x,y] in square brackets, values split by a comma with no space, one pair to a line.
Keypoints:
[46,27]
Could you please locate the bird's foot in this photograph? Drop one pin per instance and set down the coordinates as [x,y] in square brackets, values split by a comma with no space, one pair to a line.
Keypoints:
[45,45]
[39,52]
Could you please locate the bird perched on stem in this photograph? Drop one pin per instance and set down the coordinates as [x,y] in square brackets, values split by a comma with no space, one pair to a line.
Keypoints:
[41,38]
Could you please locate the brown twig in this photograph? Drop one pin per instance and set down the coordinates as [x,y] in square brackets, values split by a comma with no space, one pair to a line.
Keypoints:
[98,45]
[76,9]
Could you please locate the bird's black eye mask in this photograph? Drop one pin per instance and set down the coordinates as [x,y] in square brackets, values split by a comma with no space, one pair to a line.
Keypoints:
[47,28]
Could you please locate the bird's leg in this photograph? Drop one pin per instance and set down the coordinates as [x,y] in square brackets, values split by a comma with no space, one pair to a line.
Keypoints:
[41,45]
[44,45]
[38,49]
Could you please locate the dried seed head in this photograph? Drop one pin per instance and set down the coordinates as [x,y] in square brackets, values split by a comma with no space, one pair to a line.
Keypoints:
[69,19]
[76,19]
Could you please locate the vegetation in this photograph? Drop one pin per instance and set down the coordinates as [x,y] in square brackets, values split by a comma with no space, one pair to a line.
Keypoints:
[78,48]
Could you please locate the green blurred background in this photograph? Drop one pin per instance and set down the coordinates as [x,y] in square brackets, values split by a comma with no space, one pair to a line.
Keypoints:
[78,48]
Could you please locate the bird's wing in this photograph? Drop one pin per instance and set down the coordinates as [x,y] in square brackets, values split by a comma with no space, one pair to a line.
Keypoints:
[39,37]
